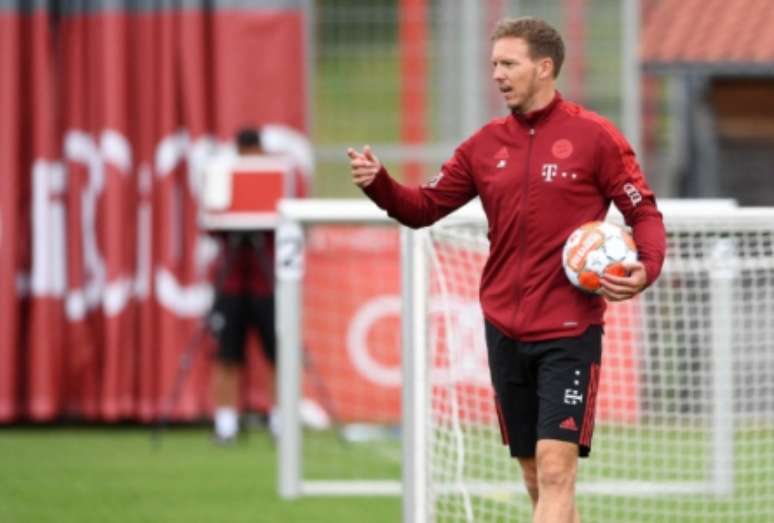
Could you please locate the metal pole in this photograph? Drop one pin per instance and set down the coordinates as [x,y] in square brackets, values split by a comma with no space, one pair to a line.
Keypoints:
[310,59]
[289,274]
[413,17]
[415,375]
[472,101]
[631,97]
[723,272]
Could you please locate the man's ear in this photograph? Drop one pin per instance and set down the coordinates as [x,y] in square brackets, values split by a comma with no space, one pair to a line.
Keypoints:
[545,68]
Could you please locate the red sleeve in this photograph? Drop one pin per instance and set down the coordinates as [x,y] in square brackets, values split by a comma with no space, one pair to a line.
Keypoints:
[622,181]
[417,207]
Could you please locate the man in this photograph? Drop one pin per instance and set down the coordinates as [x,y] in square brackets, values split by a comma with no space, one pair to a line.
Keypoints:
[244,276]
[244,288]
[540,172]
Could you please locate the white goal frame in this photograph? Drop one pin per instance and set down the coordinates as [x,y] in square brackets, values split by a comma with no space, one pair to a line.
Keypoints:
[297,214]
[294,216]
[721,480]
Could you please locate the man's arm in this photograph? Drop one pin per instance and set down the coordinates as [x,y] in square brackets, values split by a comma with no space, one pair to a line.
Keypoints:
[414,206]
[622,181]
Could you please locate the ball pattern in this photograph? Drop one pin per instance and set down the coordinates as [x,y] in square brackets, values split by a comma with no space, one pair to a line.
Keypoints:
[594,249]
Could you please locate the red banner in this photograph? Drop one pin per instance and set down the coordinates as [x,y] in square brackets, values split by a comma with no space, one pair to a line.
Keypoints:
[108,115]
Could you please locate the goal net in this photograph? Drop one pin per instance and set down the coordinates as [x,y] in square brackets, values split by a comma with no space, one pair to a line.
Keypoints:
[685,409]
[685,423]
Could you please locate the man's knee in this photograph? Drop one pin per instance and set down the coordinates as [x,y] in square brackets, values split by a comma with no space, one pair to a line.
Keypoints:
[529,471]
[556,464]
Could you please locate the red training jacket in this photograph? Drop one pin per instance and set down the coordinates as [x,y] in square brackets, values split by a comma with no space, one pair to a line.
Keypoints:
[539,176]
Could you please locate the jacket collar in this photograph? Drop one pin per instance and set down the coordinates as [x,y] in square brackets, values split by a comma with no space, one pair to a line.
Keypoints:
[532,118]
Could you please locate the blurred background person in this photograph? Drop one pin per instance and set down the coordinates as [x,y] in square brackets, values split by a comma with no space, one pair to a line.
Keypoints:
[244,299]
[243,274]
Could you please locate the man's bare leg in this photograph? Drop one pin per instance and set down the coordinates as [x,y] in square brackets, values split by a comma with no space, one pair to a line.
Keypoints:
[529,473]
[226,378]
[557,466]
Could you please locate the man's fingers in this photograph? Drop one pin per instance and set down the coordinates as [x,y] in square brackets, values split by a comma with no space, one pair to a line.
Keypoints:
[363,167]
[615,297]
[361,162]
[368,153]
[353,154]
[363,180]
[621,289]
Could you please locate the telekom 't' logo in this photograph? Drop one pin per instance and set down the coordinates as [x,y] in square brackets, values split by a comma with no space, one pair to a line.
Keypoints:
[549,171]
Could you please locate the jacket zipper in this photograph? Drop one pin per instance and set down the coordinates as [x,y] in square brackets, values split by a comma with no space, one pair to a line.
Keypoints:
[522,234]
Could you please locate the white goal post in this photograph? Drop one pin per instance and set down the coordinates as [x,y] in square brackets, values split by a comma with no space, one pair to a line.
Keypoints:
[297,219]
[685,430]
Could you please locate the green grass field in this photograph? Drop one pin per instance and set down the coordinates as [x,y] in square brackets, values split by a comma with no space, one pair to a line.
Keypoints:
[117,475]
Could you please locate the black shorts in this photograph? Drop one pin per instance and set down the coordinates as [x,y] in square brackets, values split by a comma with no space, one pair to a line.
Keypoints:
[230,318]
[545,389]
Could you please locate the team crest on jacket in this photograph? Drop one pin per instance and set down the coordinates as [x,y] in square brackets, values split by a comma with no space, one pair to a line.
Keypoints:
[562,148]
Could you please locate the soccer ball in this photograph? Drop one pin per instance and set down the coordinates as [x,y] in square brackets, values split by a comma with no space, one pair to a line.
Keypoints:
[595,249]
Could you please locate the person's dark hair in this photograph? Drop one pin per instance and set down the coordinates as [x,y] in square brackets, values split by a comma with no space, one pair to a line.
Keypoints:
[542,39]
[248,138]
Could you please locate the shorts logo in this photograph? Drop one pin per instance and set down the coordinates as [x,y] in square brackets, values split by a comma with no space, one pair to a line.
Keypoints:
[572,397]
[562,148]
[569,424]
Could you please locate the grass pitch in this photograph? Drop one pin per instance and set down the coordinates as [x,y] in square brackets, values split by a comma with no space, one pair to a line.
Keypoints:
[104,475]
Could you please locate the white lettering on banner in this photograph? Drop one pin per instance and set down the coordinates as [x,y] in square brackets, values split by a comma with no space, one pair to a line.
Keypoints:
[111,155]
[49,269]
[194,299]
[462,359]
[113,150]
[362,239]
[49,257]
[80,148]
[278,138]
[185,300]
[363,320]
[116,151]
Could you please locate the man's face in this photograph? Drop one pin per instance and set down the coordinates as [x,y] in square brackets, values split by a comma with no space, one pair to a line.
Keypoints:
[515,73]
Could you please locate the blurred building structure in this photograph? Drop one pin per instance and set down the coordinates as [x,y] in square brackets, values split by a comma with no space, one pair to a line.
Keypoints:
[717,59]
[700,98]
[412,77]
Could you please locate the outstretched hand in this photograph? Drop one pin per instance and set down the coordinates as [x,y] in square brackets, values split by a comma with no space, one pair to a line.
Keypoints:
[363,166]
[620,288]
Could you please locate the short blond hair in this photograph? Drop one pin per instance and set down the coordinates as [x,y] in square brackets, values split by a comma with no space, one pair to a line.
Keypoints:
[542,39]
